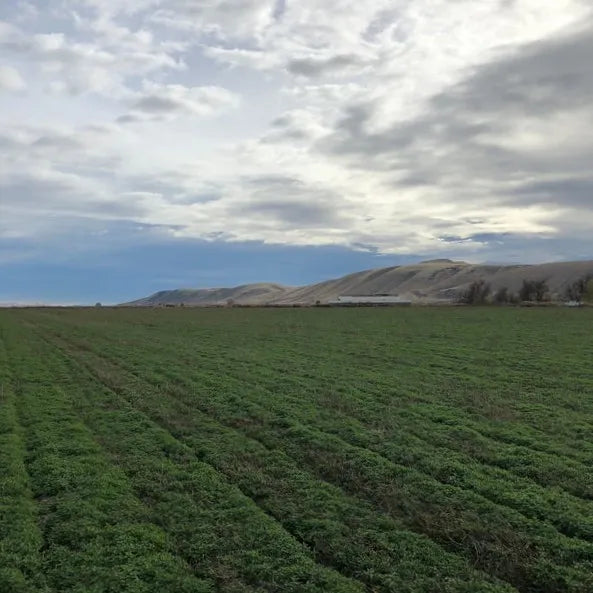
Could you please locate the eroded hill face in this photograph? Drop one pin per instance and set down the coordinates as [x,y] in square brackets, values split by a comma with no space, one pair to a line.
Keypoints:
[425,282]
[242,295]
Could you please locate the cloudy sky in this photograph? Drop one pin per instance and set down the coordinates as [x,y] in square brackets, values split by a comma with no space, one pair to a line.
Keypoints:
[150,144]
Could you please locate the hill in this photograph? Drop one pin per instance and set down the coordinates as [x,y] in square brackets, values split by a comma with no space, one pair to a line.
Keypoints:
[242,295]
[429,281]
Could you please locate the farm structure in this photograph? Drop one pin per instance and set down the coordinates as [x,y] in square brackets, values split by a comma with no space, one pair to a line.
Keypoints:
[370,301]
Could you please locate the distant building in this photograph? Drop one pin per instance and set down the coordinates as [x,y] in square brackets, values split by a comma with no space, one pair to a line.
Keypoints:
[573,304]
[369,300]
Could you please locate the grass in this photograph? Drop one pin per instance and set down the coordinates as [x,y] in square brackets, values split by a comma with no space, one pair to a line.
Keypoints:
[296,450]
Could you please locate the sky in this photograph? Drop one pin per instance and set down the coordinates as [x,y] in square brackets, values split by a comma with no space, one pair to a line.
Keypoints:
[156,144]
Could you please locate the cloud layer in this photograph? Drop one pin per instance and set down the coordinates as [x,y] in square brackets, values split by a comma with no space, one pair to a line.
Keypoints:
[397,127]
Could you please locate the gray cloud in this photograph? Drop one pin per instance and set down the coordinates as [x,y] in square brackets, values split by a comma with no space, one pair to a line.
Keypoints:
[58,142]
[43,193]
[544,77]
[498,238]
[469,138]
[575,192]
[129,118]
[55,174]
[294,213]
[83,151]
[155,104]
[294,126]
[315,67]
[160,101]
[291,202]
[518,248]
[175,187]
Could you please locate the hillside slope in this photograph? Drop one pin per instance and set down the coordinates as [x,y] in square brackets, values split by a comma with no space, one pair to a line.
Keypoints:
[430,281]
[241,295]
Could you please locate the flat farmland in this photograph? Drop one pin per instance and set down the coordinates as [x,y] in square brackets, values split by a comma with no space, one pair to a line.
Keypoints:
[296,450]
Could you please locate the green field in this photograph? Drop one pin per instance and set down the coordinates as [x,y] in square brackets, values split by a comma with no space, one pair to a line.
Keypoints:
[296,450]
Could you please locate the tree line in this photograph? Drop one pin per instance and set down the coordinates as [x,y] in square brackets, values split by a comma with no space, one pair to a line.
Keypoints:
[480,292]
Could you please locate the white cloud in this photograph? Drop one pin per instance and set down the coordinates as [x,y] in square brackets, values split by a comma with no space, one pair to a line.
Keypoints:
[101,63]
[256,59]
[402,125]
[10,79]
[225,19]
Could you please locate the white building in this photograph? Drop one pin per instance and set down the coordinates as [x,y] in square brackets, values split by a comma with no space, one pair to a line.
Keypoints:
[379,299]
[573,304]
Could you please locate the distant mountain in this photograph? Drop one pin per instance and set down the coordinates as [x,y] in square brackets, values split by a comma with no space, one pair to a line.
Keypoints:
[438,280]
[241,295]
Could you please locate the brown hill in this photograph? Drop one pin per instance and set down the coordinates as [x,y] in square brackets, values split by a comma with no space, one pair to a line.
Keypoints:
[429,281]
[246,294]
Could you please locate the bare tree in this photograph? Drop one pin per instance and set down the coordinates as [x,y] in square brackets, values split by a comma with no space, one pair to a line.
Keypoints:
[579,290]
[502,296]
[541,290]
[533,290]
[476,293]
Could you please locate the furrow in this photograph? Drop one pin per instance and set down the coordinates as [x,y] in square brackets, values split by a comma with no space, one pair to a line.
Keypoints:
[95,533]
[501,554]
[217,529]
[570,515]
[20,538]
[312,510]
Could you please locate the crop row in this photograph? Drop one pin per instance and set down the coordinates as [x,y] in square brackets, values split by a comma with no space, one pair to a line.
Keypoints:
[221,535]
[20,537]
[502,542]
[342,531]
[392,382]
[405,440]
[96,535]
